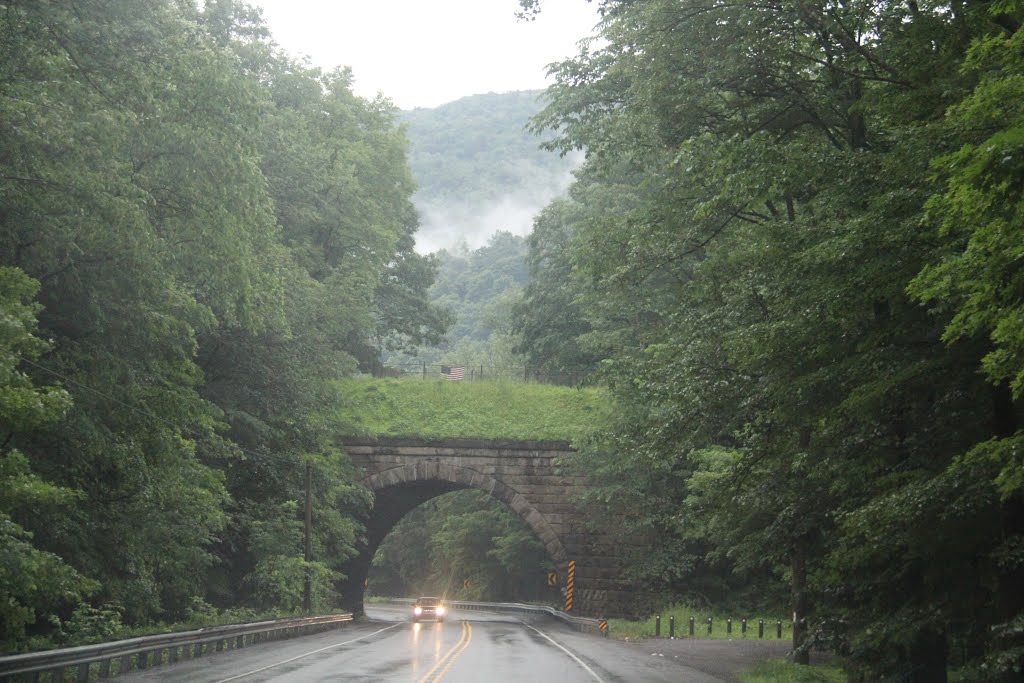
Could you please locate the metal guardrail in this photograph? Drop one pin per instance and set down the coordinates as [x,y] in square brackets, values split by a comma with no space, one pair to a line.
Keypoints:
[110,659]
[106,660]
[583,624]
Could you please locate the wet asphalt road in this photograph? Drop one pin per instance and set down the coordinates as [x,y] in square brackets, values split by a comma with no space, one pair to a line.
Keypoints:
[469,647]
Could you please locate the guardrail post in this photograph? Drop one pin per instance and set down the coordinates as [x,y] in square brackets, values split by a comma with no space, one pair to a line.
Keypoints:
[105,668]
[83,672]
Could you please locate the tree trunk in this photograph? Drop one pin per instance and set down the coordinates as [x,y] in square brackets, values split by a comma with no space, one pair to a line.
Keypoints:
[929,654]
[1004,414]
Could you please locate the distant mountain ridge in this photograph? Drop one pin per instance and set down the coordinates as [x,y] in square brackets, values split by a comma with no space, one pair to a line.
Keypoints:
[478,170]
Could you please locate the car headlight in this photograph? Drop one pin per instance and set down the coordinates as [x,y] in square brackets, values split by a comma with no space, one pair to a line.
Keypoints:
[440,610]
[417,611]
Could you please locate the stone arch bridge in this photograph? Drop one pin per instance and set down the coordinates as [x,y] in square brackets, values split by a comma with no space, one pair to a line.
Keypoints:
[524,475]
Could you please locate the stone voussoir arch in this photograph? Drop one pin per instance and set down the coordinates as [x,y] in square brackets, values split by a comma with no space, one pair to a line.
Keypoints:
[466,477]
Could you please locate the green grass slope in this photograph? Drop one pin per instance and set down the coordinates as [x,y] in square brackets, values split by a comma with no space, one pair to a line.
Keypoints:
[481,410]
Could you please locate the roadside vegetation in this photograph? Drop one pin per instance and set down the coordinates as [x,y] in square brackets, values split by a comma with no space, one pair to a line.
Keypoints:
[778,671]
[796,246]
[197,233]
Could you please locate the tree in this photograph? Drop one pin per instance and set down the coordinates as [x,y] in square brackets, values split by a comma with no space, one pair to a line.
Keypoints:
[767,173]
[212,226]
[35,586]
[548,319]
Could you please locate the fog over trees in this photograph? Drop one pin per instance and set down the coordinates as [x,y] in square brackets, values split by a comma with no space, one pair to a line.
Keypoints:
[479,170]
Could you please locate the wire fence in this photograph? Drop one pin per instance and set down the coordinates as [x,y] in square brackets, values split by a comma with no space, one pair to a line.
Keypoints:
[572,377]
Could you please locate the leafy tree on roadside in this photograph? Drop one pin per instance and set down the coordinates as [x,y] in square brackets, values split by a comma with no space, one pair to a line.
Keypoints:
[782,399]
[217,232]
[548,319]
[35,585]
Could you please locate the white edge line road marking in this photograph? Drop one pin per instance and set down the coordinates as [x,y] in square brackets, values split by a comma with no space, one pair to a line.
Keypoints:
[256,671]
[574,657]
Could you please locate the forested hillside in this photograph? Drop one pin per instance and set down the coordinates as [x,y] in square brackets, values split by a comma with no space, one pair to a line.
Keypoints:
[197,234]
[796,245]
[478,288]
[478,169]
[492,333]
[482,180]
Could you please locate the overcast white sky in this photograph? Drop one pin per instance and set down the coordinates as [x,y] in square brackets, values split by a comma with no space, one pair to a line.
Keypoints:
[422,53]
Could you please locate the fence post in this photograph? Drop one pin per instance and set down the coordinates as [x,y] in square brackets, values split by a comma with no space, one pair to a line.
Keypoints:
[424,369]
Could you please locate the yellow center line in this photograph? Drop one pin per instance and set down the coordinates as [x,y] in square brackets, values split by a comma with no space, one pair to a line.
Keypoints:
[469,637]
[450,656]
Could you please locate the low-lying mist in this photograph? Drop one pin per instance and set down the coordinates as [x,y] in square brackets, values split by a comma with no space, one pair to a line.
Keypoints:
[471,224]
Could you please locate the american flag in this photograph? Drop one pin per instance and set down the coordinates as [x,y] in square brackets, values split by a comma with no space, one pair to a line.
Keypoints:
[453,373]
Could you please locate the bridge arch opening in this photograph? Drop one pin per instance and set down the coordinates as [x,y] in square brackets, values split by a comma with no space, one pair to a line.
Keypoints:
[401,489]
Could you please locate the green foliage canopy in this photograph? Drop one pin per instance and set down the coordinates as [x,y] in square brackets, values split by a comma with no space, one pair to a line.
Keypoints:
[208,233]
[770,193]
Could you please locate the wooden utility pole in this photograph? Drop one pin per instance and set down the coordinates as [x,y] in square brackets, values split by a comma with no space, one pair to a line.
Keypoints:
[307,588]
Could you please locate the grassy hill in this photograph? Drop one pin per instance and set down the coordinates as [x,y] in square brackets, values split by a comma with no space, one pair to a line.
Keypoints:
[484,410]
